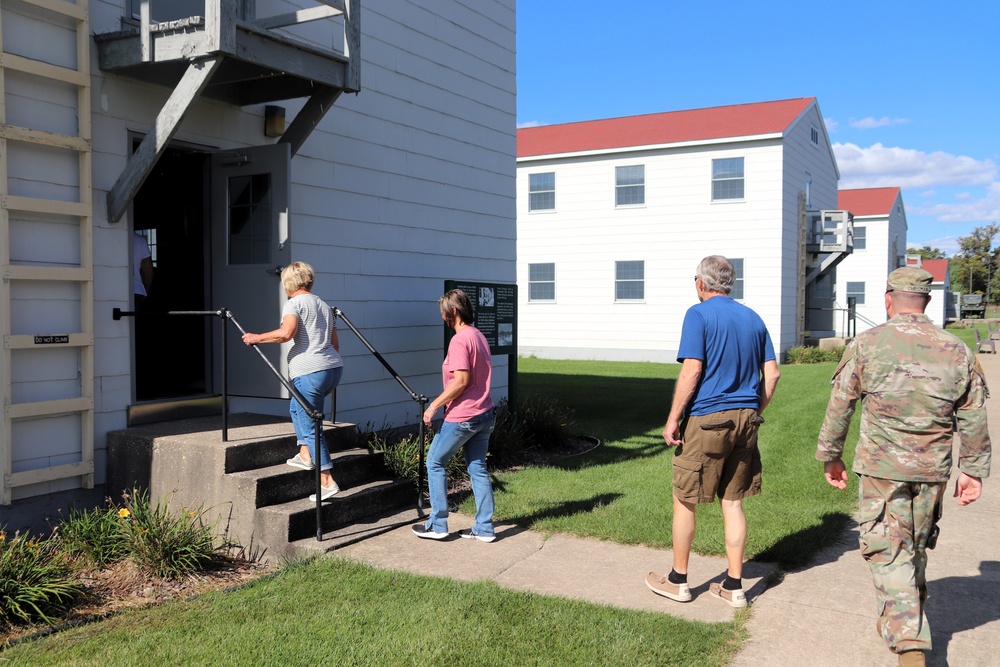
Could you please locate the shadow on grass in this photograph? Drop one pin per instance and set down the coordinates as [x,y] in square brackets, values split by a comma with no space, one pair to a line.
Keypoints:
[816,545]
[610,408]
[568,508]
[611,454]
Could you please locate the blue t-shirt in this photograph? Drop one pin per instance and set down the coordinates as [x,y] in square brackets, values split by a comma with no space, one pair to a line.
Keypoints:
[732,342]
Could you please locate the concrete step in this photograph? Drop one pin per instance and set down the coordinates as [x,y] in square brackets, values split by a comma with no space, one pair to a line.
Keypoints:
[296,519]
[282,483]
[274,450]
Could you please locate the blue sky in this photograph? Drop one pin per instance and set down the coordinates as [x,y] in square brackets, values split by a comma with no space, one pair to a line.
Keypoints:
[910,91]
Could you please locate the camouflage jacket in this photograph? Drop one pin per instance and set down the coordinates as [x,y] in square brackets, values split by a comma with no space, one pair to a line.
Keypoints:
[917,384]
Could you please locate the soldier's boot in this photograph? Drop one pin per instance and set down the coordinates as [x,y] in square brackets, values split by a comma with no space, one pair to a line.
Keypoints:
[912,659]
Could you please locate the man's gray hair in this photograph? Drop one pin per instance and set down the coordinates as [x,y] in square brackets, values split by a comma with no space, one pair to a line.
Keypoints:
[717,274]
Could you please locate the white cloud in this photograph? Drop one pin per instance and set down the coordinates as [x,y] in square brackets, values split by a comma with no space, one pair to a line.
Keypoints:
[529,123]
[831,125]
[871,122]
[983,209]
[881,166]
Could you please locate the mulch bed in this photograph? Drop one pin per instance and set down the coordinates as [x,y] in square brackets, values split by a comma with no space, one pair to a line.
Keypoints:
[124,586]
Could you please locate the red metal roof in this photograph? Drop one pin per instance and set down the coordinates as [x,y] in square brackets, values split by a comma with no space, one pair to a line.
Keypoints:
[738,120]
[937,268]
[868,201]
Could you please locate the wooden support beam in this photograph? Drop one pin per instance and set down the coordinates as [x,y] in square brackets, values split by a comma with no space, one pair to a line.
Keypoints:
[43,138]
[294,18]
[308,118]
[141,163]
[352,45]
[57,273]
[29,342]
[49,474]
[65,406]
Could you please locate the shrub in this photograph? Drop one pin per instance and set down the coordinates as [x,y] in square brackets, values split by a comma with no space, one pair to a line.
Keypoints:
[168,545]
[402,456]
[539,425]
[813,355]
[35,580]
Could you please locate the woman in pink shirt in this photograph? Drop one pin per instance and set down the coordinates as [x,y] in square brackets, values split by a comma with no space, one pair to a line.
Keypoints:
[468,421]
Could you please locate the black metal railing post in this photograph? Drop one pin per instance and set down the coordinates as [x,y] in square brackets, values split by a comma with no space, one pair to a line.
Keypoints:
[419,398]
[317,417]
[223,313]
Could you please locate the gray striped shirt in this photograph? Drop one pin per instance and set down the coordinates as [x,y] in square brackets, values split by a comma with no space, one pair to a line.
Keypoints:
[311,349]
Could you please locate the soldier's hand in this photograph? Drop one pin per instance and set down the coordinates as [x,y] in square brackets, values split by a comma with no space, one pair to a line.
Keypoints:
[967,489]
[835,473]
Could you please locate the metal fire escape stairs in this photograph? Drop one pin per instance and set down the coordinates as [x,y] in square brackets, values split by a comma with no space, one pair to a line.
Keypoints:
[231,55]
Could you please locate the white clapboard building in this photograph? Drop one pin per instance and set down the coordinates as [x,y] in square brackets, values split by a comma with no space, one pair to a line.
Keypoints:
[374,140]
[613,216]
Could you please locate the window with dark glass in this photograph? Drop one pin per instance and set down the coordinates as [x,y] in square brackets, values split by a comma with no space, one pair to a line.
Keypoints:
[541,282]
[542,191]
[727,178]
[630,281]
[250,217]
[630,185]
[737,291]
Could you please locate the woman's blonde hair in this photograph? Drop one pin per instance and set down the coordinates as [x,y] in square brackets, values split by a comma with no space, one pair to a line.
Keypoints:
[459,301]
[296,276]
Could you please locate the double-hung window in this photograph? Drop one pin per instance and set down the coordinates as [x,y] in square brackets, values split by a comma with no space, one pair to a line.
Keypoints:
[542,282]
[630,281]
[860,238]
[727,179]
[737,291]
[857,290]
[542,191]
[630,185]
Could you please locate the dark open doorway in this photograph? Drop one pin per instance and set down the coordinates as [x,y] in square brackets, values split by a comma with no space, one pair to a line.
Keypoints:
[173,353]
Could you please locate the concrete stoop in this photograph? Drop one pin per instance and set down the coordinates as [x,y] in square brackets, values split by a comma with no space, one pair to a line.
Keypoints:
[244,484]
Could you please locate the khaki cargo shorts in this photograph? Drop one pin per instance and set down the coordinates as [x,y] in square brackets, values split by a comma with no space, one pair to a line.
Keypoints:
[719,457]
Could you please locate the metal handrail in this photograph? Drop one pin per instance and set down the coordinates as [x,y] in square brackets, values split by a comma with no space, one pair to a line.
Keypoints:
[317,415]
[419,398]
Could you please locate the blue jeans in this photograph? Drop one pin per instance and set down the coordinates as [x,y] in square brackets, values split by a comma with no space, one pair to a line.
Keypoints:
[474,436]
[314,387]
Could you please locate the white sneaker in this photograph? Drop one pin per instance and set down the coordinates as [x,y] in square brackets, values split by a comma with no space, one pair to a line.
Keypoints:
[328,492]
[297,462]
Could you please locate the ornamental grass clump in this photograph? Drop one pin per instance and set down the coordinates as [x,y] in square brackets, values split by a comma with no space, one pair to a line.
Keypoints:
[168,544]
[36,580]
[94,535]
[402,456]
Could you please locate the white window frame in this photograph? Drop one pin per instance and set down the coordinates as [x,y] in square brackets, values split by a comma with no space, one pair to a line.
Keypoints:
[532,281]
[738,291]
[629,266]
[814,135]
[531,192]
[857,293]
[727,177]
[630,188]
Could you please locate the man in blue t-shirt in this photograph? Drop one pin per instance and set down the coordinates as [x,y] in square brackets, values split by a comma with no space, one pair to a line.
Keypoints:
[728,376]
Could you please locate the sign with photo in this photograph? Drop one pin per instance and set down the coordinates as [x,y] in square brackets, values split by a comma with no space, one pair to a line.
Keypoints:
[496,313]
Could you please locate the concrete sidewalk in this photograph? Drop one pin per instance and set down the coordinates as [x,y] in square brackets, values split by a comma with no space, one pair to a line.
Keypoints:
[820,615]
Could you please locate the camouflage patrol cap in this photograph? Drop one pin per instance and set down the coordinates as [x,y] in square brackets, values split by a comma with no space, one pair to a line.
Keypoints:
[909,279]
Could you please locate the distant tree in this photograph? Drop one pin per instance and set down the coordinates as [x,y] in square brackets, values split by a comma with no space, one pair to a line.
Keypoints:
[927,252]
[974,266]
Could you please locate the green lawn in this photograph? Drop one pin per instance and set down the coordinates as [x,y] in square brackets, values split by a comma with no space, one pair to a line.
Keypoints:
[328,611]
[622,491]
[332,612]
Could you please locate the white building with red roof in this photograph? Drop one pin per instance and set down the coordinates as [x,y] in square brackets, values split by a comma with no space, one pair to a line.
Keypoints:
[942,304]
[614,215]
[879,247]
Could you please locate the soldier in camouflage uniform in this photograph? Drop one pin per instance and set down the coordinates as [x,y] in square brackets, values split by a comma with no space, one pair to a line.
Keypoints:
[917,383]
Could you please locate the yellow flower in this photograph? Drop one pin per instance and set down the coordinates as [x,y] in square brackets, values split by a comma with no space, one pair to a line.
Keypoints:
[3,536]
[124,513]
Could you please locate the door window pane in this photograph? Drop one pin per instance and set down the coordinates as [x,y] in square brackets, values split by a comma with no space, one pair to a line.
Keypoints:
[250,216]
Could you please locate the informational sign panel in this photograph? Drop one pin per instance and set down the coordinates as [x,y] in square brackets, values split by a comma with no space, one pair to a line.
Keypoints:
[496,313]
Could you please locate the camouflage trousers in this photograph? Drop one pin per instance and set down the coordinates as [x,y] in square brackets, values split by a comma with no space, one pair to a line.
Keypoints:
[896,520]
